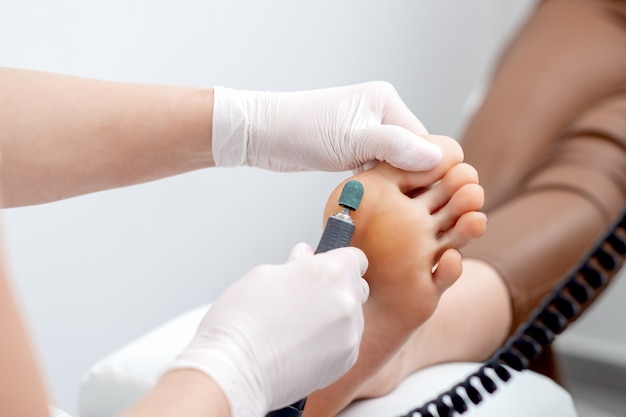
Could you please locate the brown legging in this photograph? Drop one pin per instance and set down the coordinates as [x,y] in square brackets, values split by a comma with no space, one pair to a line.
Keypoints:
[549,143]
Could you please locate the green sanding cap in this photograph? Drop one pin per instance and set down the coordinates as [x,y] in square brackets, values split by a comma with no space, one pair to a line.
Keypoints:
[351,195]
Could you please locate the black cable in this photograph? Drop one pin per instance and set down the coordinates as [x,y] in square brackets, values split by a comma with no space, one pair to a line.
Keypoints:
[563,306]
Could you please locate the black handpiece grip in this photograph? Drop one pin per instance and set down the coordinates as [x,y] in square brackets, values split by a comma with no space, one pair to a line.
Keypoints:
[337,234]
[293,410]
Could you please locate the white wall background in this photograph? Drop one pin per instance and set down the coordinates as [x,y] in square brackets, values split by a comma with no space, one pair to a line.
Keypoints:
[94,272]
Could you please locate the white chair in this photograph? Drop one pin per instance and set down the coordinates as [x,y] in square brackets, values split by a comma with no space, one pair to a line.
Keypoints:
[122,377]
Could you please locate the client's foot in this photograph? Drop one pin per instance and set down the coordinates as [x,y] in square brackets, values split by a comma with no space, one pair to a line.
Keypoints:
[410,226]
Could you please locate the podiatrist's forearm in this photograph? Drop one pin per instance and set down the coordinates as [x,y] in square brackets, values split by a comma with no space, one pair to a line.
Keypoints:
[184,392]
[62,136]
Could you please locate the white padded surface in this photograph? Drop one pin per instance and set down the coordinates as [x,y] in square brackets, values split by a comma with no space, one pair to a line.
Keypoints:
[121,378]
[526,394]
[126,374]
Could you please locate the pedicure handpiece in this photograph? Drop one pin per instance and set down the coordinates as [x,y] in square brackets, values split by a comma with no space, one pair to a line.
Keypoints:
[340,227]
[337,234]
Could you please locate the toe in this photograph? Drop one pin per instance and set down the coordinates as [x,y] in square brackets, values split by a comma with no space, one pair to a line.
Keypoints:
[456,178]
[407,182]
[469,227]
[468,198]
[448,270]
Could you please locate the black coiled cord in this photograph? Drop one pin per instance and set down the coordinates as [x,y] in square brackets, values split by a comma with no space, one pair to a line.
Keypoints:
[581,286]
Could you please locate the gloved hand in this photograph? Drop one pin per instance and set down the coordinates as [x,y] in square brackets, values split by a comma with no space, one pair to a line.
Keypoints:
[283,331]
[334,129]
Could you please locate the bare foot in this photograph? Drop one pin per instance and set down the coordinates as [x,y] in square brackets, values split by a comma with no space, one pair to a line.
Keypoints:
[410,226]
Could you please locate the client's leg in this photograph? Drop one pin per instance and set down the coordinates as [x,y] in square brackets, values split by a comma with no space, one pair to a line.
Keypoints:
[555,116]
[551,74]
[531,243]
[410,230]
[549,112]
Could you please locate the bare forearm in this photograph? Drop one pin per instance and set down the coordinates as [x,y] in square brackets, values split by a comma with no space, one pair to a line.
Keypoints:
[186,393]
[63,136]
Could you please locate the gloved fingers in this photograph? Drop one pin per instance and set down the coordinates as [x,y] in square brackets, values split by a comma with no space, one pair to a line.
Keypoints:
[302,249]
[366,290]
[299,250]
[366,166]
[250,328]
[351,255]
[334,129]
[397,112]
[399,147]
[347,259]
[399,144]
[397,139]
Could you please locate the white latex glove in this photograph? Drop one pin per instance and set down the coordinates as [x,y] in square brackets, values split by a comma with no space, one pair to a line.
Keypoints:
[283,331]
[334,129]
